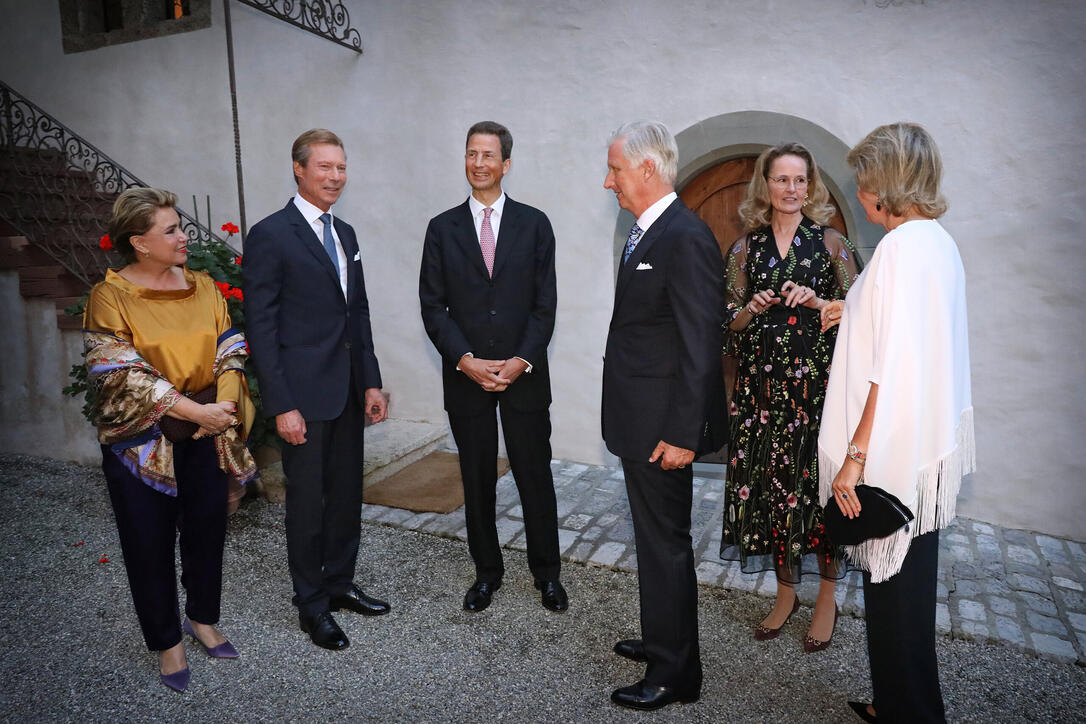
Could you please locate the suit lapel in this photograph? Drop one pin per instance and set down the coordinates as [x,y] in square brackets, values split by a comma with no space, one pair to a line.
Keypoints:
[626,272]
[508,234]
[309,240]
[464,233]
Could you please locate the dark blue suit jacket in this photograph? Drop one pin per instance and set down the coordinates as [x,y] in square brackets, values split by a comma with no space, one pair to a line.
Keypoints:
[662,372]
[305,338]
[510,314]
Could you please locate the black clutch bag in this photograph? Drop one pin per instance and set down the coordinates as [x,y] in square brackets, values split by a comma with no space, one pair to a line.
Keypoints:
[881,514]
[176,430]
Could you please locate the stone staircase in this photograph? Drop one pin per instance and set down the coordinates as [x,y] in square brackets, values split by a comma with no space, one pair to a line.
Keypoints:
[40,276]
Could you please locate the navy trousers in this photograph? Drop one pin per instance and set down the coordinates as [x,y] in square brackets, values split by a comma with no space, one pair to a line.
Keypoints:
[900,615]
[324,507]
[528,442]
[148,522]
[660,503]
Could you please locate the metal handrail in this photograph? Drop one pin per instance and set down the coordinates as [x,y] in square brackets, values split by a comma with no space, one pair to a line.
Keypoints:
[330,20]
[56,188]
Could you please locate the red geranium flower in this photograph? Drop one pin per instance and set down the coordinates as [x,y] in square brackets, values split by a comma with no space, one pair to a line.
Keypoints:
[104,243]
[237,260]
[230,228]
[228,291]
[104,559]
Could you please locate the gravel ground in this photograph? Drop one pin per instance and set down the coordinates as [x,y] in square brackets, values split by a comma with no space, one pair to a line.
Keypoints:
[72,650]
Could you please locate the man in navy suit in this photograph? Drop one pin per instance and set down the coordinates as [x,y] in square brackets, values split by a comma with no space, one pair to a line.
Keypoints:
[488,297]
[663,400]
[308,326]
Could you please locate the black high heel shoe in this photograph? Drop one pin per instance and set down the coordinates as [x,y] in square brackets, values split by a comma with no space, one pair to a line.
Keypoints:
[861,711]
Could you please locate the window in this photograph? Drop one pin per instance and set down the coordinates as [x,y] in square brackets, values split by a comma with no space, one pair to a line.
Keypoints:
[89,24]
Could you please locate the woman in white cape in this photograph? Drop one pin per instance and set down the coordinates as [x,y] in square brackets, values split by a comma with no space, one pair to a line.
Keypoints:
[898,413]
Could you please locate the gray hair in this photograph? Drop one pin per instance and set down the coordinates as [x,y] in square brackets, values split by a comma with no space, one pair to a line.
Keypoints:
[650,140]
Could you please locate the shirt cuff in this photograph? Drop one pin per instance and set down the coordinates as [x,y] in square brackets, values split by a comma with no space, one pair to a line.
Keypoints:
[466,354]
[529,368]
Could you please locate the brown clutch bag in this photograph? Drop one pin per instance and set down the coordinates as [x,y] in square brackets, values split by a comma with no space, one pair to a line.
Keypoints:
[175,429]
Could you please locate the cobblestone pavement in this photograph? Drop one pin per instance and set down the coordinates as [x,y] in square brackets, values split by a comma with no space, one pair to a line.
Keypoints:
[995,584]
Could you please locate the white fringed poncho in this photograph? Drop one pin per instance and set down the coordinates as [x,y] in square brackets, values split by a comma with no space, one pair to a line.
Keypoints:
[904,328]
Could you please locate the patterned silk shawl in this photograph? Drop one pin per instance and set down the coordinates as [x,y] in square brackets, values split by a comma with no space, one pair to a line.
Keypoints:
[129,397]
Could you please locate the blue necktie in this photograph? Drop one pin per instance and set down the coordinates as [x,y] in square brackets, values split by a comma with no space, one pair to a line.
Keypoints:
[631,241]
[330,241]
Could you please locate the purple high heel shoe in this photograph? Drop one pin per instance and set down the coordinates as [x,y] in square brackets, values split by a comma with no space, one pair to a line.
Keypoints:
[223,651]
[178,680]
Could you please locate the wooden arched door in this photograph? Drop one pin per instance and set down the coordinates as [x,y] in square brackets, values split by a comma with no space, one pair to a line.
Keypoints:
[715,195]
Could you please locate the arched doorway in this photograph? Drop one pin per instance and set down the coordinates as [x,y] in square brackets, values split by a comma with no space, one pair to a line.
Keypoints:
[715,195]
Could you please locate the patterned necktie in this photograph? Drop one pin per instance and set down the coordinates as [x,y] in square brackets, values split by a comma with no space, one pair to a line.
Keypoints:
[631,241]
[486,241]
[330,241]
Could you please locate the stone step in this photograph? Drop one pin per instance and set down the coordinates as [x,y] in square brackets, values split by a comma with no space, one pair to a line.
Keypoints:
[390,446]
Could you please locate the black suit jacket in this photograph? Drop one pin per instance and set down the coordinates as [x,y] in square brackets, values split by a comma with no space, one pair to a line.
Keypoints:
[305,338]
[662,374]
[508,315]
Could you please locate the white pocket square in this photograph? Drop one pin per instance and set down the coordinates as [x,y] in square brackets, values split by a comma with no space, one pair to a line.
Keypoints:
[357,256]
[643,265]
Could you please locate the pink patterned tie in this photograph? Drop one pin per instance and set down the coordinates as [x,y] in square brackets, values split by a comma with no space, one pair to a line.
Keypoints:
[486,241]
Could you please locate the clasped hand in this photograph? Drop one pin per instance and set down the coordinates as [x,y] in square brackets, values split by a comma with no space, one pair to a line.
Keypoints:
[794,296]
[215,417]
[493,375]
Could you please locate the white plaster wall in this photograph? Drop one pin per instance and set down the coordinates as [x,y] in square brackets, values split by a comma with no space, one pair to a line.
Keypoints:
[35,418]
[997,82]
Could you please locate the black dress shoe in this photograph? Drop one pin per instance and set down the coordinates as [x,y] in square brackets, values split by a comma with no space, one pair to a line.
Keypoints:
[861,711]
[632,649]
[355,600]
[646,696]
[478,596]
[553,595]
[324,631]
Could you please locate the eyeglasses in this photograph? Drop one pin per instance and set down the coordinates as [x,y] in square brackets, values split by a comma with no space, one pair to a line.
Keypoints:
[783,181]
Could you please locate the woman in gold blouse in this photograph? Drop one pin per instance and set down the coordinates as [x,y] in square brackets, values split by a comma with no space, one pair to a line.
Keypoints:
[158,339]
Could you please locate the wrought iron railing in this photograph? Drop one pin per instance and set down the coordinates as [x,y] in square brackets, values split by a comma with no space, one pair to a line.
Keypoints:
[326,18]
[57,189]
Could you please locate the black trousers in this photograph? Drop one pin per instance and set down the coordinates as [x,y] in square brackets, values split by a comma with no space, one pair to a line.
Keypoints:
[900,616]
[147,523]
[324,507]
[528,443]
[660,503]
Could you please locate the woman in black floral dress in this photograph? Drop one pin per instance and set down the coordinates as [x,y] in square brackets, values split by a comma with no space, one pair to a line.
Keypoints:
[779,276]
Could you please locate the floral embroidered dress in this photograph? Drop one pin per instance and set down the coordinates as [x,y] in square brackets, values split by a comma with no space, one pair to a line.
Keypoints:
[772,518]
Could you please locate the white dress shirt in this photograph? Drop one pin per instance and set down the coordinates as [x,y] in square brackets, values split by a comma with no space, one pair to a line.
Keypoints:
[651,214]
[495,217]
[312,215]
